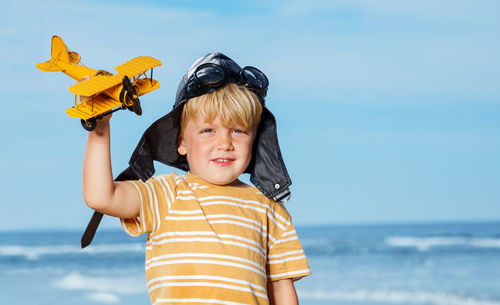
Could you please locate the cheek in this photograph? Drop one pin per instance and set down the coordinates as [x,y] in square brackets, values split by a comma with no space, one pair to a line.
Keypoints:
[248,148]
[198,149]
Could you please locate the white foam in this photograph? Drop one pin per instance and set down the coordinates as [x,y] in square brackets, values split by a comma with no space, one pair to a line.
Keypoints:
[34,252]
[425,243]
[121,285]
[393,297]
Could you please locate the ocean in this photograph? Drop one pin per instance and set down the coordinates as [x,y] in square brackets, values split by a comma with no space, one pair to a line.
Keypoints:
[434,264]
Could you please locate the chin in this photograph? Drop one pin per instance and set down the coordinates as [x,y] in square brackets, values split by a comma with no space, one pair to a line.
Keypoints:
[222,180]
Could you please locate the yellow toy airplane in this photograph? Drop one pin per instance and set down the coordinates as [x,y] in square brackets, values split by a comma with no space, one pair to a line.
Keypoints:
[101,92]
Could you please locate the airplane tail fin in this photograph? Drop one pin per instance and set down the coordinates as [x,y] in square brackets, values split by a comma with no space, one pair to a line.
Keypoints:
[60,58]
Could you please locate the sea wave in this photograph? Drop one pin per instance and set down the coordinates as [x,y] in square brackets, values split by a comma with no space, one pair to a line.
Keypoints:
[34,252]
[426,243]
[102,289]
[103,284]
[394,297]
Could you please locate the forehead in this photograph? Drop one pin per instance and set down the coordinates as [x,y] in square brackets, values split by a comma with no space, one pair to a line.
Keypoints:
[200,120]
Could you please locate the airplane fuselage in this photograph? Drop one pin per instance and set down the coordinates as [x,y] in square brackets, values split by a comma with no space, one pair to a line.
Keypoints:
[79,72]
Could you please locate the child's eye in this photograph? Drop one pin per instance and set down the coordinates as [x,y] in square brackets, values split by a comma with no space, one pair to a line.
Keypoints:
[207,130]
[238,130]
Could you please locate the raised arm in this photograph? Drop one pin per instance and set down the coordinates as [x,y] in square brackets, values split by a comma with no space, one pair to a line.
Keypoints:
[100,192]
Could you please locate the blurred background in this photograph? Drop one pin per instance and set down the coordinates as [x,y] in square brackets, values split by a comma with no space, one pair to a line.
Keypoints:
[387,118]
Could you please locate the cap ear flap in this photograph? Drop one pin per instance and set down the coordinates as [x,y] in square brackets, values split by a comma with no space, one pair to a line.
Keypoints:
[159,143]
[267,170]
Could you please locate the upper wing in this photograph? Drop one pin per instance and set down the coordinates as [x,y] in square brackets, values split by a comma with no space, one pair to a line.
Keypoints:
[99,83]
[137,66]
[95,85]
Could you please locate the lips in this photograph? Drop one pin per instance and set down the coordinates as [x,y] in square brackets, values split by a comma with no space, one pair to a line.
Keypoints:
[222,162]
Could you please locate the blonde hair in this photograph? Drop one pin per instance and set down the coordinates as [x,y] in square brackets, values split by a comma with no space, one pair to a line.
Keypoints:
[233,104]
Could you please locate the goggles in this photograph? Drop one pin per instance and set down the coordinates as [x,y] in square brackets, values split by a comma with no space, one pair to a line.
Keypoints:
[209,76]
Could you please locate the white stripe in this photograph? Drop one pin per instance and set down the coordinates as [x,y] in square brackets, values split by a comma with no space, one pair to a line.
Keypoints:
[288,233]
[286,239]
[185,197]
[170,192]
[206,199]
[210,233]
[212,216]
[184,192]
[204,255]
[124,226]
[207,261]
[239,218]
[155,206]
[185,217]
[251,207]
[283,219]
[186,212]
[272,216]
[214,240]
[169,196]
[207,284]
[286,253]
[288,259]
[250,241]
[213,301]
[148,188]
[238,223]
[205,277]
[179,179]
[298,272]
[261,231]
[186,233]
[203,199]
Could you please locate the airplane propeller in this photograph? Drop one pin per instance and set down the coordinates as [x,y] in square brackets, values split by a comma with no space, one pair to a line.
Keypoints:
[129,94]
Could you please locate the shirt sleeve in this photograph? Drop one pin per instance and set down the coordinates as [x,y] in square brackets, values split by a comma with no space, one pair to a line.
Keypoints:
[155,196]
[286,258]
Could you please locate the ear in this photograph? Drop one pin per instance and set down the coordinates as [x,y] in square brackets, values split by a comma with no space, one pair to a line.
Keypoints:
[181,147]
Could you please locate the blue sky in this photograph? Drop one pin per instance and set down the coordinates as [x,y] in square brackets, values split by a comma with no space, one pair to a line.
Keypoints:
[388,111]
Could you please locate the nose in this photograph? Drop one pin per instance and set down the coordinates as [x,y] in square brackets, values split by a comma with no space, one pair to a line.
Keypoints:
[224,141]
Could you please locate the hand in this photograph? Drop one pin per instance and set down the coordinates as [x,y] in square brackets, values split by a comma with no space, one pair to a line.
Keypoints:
[102,125]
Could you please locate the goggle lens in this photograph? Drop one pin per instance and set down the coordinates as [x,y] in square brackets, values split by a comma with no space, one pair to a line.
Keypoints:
[255,77]
[210,74]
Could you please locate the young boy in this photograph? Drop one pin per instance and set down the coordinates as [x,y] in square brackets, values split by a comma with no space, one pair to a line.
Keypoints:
[211,239]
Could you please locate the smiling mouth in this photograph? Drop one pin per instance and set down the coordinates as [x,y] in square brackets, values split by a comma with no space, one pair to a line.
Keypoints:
[223,162]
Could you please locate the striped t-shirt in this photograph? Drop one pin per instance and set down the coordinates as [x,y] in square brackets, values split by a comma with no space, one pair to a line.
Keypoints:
[211,244]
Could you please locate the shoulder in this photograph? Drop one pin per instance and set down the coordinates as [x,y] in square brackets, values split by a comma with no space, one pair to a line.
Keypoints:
[157,183]
[276,209]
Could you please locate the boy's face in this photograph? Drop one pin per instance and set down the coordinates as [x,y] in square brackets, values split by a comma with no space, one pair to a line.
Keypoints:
[216,154]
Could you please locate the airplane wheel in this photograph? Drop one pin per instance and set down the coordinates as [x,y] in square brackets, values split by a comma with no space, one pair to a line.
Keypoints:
[89,124]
